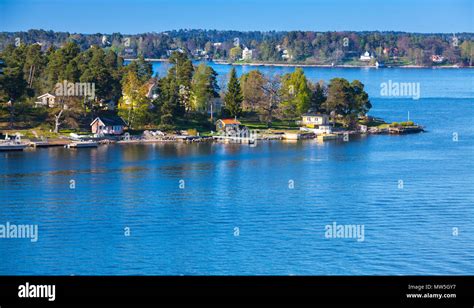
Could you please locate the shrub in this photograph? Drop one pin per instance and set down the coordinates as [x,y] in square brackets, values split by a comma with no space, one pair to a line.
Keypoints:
[192,132]
[166,127]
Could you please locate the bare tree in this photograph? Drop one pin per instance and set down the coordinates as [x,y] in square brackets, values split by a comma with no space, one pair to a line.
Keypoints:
[271,89]
[57,122]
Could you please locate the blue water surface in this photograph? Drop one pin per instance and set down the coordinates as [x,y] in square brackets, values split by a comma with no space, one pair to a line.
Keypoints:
[237,213]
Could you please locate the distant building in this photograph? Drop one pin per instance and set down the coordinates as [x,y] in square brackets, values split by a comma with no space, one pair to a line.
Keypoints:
[170,51]
[227,124]
[437,59]
[362,128]
[366,56]
[46,100]
[285,55]
[109,104]
[199,52]
[108,124]
[247,54]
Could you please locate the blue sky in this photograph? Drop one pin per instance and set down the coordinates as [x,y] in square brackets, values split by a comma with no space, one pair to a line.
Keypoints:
[138,16]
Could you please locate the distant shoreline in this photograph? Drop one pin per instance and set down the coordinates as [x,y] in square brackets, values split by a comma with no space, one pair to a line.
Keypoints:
[312,65]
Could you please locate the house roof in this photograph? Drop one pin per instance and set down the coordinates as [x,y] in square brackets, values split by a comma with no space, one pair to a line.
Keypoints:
[110,119]
[46,94]
[230,121]
[314,114]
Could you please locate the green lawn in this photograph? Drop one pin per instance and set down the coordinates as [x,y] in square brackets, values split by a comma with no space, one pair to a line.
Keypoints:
[275,125]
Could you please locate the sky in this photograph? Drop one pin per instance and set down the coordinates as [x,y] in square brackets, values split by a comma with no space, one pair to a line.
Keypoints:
[140,16]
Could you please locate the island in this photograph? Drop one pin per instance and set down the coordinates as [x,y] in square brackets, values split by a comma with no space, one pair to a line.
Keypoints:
[80,98]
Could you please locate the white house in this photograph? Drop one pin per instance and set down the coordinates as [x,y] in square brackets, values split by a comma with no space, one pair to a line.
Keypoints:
[247,54]
[46,100]
[317,123]
[366,56]
[314,119]
[286,55]
[437,59]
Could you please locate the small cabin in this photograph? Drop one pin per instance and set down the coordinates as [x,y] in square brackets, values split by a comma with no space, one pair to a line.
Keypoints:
[46,100]
[109,124]
[226,124]
[314,119]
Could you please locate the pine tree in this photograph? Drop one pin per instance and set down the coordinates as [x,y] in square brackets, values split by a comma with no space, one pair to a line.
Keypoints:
[233,97]
[182,72]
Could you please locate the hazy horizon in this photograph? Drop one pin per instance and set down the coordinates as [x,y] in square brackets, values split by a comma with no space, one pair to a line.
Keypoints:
[145,16]
[233,30]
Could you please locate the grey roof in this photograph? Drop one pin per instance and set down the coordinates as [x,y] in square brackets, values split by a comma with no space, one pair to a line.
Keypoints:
[111,119]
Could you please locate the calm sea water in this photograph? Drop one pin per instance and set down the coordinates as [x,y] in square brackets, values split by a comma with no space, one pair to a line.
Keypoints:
[236,213]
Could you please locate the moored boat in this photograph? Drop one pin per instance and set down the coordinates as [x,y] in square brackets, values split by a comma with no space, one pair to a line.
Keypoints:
[83,144]
[12,145]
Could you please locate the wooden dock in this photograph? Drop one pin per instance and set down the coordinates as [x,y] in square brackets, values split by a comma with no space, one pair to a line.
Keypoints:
[230,139]
[401,130]
[49,143]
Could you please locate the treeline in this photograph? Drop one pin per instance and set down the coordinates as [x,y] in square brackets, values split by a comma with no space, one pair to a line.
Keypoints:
[186,94]
[191,92]
[28,71]
[395,48]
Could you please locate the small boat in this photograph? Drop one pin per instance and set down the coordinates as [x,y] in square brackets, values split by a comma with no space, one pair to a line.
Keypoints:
[12,146]
[83,144]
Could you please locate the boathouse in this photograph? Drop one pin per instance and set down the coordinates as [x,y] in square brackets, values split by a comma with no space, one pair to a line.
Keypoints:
[226,124]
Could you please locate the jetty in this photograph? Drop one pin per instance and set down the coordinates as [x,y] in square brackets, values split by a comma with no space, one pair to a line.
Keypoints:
[46,143]
[82,144]
[232,139]
[298,136]
[401,130]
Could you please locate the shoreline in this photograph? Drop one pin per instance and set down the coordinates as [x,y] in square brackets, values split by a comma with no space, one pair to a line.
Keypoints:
[269,64]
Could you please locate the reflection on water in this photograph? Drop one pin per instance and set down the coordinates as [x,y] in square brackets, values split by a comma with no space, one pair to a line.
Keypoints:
[183,201]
